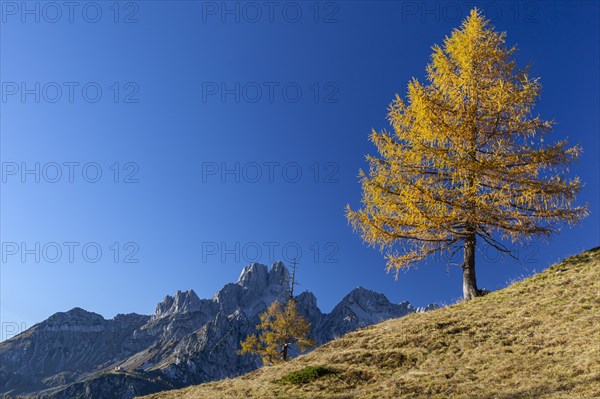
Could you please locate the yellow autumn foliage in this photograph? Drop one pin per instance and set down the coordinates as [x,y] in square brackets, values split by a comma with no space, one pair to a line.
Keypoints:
[280,327]
[466,157]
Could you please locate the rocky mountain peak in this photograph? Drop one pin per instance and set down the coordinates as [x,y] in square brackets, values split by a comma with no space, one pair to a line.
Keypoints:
[307,305]
[255,276]
[364,296]
[279,274]
[182,302]
[307,299]
[366,299]
[75,316]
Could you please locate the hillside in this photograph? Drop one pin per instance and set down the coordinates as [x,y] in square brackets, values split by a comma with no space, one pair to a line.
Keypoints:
[537,338]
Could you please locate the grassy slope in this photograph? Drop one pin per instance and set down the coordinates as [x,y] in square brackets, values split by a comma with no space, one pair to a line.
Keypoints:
[537,338]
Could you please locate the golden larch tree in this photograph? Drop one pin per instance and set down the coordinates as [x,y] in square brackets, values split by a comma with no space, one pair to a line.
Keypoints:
[280,327]
[466,161]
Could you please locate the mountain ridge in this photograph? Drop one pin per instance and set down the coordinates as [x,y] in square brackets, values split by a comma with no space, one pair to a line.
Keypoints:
[187,340]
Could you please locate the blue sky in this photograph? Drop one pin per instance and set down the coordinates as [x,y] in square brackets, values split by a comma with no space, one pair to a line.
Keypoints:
[186,139]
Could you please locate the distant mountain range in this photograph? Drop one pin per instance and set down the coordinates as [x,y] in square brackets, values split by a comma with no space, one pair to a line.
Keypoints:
[188,340]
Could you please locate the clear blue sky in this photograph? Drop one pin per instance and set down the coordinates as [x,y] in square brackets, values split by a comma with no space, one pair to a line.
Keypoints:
[190,91]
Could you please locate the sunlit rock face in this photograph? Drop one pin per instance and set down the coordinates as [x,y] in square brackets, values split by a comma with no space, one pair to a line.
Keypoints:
[188,340]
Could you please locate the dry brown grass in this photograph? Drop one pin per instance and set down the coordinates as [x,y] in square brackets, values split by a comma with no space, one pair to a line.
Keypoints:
[538,338]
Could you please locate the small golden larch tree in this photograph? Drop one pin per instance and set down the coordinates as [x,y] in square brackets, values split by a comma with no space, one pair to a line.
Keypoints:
[280,327]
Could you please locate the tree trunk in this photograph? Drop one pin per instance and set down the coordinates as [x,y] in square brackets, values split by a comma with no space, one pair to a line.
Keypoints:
[284,352]
[469,281]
